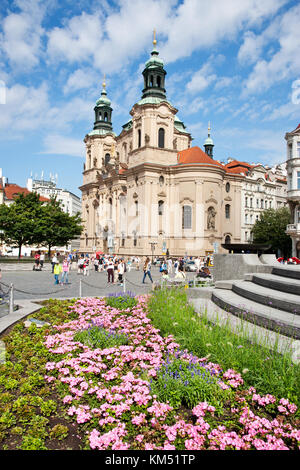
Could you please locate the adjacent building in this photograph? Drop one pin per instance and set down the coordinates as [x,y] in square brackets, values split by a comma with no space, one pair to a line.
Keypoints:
[262,188]
[293,189]
[70,203]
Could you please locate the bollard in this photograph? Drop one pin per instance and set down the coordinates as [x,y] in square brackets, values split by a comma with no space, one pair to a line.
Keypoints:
[80,288]
[11,298]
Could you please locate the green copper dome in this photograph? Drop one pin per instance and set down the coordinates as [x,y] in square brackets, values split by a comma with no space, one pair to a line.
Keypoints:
[154,60]
[103,100]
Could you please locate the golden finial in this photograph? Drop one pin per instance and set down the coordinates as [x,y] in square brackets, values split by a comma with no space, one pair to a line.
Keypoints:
[154,39]
[208,127]
[104,83]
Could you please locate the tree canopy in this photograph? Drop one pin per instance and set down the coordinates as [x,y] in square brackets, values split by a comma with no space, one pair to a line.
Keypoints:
[271,229]
[28,221]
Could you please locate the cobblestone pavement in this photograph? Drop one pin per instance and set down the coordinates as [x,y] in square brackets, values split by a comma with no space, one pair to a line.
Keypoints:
[40,285]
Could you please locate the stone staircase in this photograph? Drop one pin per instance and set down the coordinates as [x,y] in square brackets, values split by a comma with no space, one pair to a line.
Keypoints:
[270,300]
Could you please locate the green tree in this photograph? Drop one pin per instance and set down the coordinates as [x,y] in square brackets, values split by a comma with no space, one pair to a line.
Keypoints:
[57,227]
[19,221]
[271,229]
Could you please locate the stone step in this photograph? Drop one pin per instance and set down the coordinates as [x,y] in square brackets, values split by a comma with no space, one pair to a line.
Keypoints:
[268,297]
[289,271]
[285,323]
[278,283]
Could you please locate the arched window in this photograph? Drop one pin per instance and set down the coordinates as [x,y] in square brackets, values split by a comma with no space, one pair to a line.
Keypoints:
[158,81]
[99,116]
[160,207]
[139,138]
[186,217]
[161,138]
[227,239]
[110,207]
[227,211]
[136,208]
[161,181]
[105,116]
[151,80]
[107,158]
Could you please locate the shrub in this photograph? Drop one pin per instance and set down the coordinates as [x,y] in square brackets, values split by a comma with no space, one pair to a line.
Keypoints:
[97,337]
[187,383]
[121,301]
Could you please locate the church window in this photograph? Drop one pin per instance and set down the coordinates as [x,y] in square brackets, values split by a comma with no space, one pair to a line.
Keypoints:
[158,81]
[99,116]
[136,208]
[161,138]
[227,211]
[105,116]
[107,158]
[160,207]
[110,207]
[227,239]
[151,81]
[161,180]
[186,217]
[139,138]
[227,187]
[246,202]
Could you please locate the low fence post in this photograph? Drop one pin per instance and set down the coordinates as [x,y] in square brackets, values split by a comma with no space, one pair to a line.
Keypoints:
[11,298]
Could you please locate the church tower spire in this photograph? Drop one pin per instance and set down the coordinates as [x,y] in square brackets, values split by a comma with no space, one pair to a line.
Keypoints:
[209,144]
[154,75]
[103,112]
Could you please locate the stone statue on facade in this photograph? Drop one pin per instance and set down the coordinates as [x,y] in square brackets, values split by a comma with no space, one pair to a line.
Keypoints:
[211,214]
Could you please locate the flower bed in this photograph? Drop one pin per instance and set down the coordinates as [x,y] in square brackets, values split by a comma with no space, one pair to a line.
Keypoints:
[135,389]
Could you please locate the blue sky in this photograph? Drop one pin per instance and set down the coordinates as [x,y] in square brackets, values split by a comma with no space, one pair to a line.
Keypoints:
[233,63]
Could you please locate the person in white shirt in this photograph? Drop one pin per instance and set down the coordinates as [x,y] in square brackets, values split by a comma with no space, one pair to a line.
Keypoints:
[121,270]
[170,266]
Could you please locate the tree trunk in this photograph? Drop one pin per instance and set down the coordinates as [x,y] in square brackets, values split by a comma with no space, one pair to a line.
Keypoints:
[49,251]
[20,249]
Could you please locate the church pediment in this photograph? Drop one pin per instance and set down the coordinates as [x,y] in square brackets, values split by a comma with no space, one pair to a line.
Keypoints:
[211,200]
[162,194]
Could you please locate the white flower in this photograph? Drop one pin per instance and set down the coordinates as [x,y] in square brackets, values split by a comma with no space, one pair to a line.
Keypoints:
[244,371]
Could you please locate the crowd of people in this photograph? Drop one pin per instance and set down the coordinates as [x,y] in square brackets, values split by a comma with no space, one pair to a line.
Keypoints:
[116,266]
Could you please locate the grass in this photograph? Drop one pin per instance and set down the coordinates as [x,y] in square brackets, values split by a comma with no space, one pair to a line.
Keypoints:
[268,371]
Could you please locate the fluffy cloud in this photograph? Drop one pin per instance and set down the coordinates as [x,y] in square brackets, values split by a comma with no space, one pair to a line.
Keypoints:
[21,37]
[285,62]
[200,24]
[56,144]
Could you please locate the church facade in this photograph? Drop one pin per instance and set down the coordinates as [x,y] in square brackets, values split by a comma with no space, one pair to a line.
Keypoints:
[147,190]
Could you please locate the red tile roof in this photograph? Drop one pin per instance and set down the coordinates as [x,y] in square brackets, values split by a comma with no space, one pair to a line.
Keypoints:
[12,190]
[195,155]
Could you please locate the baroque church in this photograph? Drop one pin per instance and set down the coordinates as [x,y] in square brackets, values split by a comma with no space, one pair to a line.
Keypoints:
[147,190]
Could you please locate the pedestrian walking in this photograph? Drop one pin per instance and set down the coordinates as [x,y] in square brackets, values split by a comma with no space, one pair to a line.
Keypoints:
[53,262]
[110,271]
[147,270]
[65,272]
[42,259]
[57,270]
[121,270]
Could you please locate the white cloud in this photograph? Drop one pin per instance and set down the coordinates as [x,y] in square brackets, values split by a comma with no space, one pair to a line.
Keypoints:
[56,144]
[81,79]
[201,79]
[24,108]
[285,61]
[21,37]
[200,24]
[78,40]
